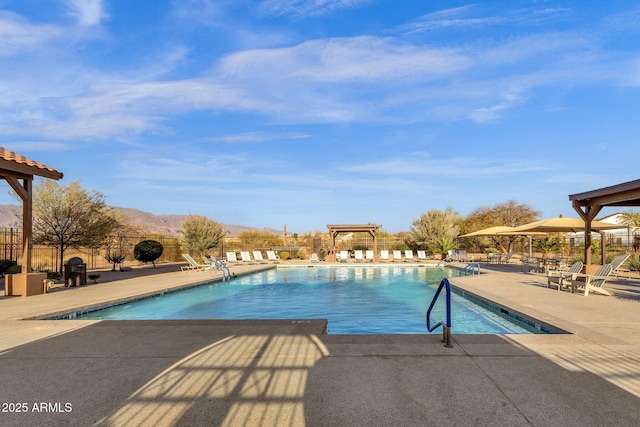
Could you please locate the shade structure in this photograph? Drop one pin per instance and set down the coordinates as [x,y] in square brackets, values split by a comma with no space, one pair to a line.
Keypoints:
[563,225]
[499,230]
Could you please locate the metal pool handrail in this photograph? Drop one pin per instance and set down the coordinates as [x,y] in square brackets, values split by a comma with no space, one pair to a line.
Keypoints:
[446,326]
[472,268]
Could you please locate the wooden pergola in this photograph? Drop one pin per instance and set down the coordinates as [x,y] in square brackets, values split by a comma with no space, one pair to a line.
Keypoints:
[590,203]
[19,172]
[334,230]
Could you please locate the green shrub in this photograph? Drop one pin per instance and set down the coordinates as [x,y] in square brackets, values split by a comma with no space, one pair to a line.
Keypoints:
[14,269]
[284,255]
[148,251]
[300,254]
[5,264]
[634,262]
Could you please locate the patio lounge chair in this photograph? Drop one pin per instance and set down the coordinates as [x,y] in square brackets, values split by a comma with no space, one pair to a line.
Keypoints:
[357,254]
[246,257]
[368,255]
[384,255]
[343,256]
[271,256]
[231,257]
[617,262]
[422,256]
[559,277]
[314,257]
[592,282]
[408,255]
[257,256]
[193,264]
[462,256]
[397,256]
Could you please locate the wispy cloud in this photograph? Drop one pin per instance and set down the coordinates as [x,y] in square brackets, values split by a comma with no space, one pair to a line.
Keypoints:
[87,12]
[303,8]
[18,35]
[260,137]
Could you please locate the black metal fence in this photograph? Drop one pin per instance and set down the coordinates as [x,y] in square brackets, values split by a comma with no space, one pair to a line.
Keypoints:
[48,258]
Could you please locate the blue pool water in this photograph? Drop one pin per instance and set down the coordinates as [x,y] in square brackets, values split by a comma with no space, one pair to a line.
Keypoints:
[355,300]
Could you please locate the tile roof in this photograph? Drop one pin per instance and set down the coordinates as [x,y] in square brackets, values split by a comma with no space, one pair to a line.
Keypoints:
[13,162]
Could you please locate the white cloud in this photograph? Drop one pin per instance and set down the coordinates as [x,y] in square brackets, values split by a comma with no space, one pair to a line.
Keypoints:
[18,36]
[87,12]
[303,8]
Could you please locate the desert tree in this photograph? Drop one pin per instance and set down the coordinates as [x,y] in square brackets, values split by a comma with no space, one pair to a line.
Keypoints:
[70,216]
[201,234]
[436,230]
[509,213]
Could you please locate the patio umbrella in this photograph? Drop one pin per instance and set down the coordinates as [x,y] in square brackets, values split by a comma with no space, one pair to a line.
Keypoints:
[503,230]
[567,225]
[563,225]
[499,230]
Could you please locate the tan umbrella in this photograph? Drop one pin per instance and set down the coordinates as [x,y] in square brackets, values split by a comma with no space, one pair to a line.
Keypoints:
[567,225]
[562,225]
[504,230]
[499,230]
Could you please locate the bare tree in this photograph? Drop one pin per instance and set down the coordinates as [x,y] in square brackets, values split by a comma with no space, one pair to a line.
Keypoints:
[70,216]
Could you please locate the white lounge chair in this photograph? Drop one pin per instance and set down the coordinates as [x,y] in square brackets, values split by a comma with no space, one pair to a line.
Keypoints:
[271,256]
[193,264]
[559,277]
[231,257]
[343,256]
[408,255]
[384,255]
[397,256]
[462,256]
[314,257]
[257,256]
[369,256]
[358,256]
[592,282]
[246,257]
[422,256]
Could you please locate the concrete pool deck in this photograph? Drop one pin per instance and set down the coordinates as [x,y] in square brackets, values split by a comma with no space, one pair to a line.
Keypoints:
[288,373]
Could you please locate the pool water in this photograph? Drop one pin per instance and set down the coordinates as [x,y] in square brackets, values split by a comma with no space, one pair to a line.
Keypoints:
[355,300]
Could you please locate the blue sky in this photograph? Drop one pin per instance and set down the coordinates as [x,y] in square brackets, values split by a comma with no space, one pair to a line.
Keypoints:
[315,112]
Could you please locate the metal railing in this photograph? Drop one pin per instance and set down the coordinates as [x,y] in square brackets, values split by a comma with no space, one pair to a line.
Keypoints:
[471,268]
[446,325]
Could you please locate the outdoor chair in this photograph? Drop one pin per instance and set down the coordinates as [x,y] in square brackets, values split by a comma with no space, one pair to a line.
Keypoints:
[592,282]
[408,255]
[257,256]
[271,256]
[314,257]
[559,277]
[343,256]
[617,262]
[358,256]
[397,256]
[246,257]
[231,257]
[422,256]
[369,256]
[193,264]
[384,255]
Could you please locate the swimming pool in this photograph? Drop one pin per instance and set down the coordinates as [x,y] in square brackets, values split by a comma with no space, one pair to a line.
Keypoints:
[355,300]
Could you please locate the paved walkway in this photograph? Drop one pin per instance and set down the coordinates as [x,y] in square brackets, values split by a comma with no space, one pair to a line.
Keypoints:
[288,373]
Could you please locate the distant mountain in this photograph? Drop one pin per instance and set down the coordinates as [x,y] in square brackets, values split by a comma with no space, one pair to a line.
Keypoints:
[150,223]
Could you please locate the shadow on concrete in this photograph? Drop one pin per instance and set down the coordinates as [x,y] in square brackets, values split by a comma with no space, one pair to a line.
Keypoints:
[286,373]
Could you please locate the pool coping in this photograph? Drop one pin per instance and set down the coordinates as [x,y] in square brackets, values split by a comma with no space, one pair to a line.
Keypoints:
[500,309]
